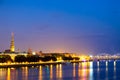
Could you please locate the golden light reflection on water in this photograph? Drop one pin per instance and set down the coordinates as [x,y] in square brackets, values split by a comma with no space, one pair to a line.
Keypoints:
[59,71]
[25,73]
[40,72]
[79,69]
[2,73]
[51,72]
[85,71]
[74,70]
[8,74]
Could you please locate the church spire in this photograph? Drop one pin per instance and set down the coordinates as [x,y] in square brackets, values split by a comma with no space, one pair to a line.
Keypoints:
[12,46]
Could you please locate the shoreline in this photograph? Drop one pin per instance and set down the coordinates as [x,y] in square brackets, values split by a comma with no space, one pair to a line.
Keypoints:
[27,64]
[9,65]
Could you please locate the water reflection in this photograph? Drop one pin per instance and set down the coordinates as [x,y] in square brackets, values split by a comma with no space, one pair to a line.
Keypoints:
[98,64]
[40,72]
[106,70]
[3,73]
[98,69]
[79,70]
[76,71]
[106,66]
[85,71]
[114,69]
[25,73]
[51,72]
[59,71]
[8,74]
[91,71]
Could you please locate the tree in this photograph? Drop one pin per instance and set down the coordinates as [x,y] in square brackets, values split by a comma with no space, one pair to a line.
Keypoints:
[53,58]
[33,58]
[20,58]
[5,58]
[67,58]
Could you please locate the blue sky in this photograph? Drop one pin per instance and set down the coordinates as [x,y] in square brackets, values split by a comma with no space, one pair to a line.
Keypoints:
[80,26]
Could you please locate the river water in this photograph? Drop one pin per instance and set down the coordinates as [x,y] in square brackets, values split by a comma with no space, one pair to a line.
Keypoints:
[102,70]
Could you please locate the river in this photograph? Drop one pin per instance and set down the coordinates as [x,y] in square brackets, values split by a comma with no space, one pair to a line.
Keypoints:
[97,70]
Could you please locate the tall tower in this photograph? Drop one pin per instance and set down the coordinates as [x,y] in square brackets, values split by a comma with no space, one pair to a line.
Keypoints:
[12,45]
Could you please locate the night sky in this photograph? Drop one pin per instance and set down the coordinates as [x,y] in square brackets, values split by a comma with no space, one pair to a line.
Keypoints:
[79,26]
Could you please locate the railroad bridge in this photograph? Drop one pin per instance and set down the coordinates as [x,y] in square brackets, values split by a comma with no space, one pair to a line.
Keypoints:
[106,57]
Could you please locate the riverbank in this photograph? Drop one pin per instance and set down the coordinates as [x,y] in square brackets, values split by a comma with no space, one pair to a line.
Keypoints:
[7,65]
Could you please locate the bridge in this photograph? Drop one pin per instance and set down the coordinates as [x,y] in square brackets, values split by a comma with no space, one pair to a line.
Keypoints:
[106,57]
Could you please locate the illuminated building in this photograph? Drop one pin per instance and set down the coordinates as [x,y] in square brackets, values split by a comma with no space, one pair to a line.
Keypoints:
[12,45]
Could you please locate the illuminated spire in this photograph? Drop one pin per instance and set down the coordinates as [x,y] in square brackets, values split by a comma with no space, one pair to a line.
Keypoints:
[12,46]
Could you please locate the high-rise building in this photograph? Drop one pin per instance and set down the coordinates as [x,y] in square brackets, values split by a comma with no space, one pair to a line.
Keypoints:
[12,45]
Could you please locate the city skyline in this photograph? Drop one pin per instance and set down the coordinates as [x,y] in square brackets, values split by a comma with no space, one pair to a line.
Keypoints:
[61,26]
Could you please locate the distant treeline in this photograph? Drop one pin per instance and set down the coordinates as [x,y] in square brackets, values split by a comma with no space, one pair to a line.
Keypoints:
[5,58]
[33,58]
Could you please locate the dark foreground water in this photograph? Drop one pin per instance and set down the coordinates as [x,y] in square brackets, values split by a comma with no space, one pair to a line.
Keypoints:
[103,70]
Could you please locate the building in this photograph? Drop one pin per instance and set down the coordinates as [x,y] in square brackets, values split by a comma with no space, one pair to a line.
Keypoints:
[12,45]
